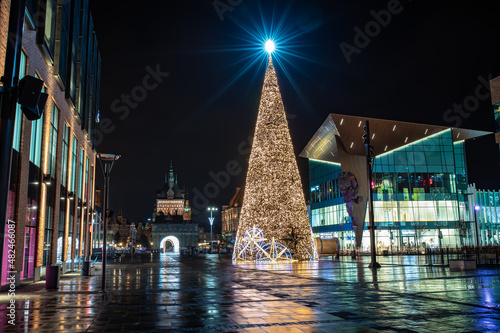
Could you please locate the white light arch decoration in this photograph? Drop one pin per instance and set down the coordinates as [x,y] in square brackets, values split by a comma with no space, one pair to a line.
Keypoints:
[173,240]
[254,248]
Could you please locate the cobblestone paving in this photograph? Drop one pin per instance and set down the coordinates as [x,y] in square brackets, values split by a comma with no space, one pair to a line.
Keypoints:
[178,293]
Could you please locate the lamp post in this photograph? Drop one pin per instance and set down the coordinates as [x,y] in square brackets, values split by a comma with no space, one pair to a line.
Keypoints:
[369,176]
[109,161]
[133,232]
[211,220]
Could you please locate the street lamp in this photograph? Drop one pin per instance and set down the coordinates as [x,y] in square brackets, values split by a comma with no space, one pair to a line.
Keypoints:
[211,219]
[133,232]
[369,167]
[109,161]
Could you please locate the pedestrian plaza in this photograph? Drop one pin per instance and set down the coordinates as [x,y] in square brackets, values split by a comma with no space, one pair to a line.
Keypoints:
[185,293]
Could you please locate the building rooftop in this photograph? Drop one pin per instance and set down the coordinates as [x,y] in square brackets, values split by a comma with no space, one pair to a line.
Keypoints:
[385,135]
[237,200]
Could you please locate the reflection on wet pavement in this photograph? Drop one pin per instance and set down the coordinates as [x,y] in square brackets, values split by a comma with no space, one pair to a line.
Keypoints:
[175,293]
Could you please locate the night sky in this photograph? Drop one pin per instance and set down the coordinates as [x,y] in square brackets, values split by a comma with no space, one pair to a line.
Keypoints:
[201,109]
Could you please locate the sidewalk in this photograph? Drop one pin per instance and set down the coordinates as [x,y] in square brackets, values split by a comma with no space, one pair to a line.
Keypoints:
[176,293]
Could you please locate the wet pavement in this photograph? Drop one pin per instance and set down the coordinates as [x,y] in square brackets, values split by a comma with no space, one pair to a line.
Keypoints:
[177,293]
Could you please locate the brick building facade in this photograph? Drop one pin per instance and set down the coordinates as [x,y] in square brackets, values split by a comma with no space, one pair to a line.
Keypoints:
[53,158]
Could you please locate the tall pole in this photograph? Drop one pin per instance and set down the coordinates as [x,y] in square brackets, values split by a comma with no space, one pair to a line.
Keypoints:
[369,175]
[211,223]
[132,238]
[105,227]
[109,160]
[211,219]
[8,106]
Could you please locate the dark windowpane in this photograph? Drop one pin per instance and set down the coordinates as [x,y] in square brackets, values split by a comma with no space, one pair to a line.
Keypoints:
[32,6]
[64,44]
[47,30]
[84,64]
[75,43]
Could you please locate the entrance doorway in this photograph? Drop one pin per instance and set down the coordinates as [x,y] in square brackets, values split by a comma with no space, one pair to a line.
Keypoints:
[170,244]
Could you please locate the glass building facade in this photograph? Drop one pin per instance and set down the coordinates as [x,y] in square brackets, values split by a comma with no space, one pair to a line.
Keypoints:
[419,198]
[487,215]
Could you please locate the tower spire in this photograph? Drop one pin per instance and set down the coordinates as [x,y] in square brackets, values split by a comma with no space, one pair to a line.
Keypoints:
[171,175]
[273,199]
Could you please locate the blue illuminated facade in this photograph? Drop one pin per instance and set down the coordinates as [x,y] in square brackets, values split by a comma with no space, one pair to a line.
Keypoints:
[487,214]
[420,198]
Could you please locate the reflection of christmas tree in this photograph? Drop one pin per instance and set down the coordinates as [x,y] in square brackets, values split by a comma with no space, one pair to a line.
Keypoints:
[273,199]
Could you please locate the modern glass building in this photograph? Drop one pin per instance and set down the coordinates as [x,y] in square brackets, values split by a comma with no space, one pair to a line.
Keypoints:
[420,193]
[486,207]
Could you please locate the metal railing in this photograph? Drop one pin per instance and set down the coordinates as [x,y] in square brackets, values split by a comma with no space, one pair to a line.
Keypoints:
[484,256]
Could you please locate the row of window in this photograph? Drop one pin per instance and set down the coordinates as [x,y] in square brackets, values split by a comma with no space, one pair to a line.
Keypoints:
[35,155]
[325,191]
[387,186]
[429,169]
[397,240]
[432,155]
[75,57]
[394,212]
[409,183]
[79,163]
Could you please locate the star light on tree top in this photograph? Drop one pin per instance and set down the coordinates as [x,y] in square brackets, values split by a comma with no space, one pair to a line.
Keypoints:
[269,46]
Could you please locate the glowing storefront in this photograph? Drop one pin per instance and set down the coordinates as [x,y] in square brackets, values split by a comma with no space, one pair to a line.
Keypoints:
[419,181]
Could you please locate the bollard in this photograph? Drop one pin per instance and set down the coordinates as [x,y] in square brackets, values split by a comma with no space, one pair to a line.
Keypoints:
[52,277]
[86,268]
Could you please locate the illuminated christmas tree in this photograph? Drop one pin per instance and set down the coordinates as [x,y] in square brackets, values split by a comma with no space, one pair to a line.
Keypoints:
[274,200]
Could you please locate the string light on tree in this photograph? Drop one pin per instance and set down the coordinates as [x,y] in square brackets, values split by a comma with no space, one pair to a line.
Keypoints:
[274,200]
